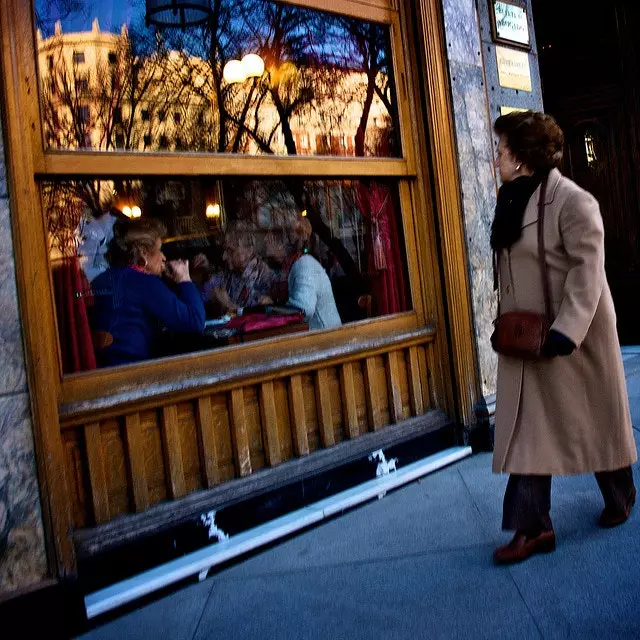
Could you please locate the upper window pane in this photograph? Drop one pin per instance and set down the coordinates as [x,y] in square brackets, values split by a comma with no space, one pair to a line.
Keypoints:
[257,77]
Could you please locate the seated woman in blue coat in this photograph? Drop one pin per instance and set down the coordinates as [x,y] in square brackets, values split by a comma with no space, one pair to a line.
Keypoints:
[132,305]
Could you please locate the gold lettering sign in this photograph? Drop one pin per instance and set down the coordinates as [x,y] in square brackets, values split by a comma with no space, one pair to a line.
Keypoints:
[513,69]
[506,110]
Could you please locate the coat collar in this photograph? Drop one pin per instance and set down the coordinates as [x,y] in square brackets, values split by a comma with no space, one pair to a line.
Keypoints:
[531,212]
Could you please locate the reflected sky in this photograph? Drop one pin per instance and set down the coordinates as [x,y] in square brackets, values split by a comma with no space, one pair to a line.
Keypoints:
[77,15]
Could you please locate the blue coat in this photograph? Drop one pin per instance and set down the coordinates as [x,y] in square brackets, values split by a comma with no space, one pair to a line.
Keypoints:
[133,307]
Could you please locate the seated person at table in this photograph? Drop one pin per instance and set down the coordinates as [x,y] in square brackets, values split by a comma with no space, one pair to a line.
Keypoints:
[131,302]
[248,280]
[309,287]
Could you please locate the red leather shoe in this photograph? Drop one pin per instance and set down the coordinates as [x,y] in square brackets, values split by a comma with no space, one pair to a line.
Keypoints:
[521,547]
[610,518]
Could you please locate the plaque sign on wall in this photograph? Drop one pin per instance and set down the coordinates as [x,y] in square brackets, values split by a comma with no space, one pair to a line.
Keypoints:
[504,111]
[509,23]
[514,71]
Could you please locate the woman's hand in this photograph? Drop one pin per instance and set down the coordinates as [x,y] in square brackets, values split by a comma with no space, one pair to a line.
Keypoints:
[179,271]
[223,302]
[264,300]
[557,344]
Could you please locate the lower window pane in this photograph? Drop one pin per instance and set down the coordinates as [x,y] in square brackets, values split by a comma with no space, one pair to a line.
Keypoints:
[156,267]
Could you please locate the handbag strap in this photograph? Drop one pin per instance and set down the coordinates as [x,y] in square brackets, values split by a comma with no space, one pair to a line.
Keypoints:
[544,270]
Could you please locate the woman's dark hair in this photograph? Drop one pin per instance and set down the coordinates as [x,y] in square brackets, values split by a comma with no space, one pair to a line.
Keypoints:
[534,138]
[132,239]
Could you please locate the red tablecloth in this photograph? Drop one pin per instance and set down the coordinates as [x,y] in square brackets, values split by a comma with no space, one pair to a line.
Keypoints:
[262,322]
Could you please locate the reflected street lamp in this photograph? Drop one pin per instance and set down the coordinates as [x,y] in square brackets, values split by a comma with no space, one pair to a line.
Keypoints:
[178,13]
[251,66]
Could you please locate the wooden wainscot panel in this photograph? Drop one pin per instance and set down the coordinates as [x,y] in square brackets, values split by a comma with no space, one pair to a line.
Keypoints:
[361,400]
[172,451]
[208,447]
[325,409]
[113,445]
[335,398]
[349,401]
[298,416]
[403,380]
[222,431]
[269,418]
[415,382]
[239,432]
[97,475]
[136,462]
[77,478]
[189,446]
[312,414]
[154,463]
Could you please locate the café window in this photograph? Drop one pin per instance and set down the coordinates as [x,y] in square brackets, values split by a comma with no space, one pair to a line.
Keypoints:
[148,264]
[265,258]
[257,72]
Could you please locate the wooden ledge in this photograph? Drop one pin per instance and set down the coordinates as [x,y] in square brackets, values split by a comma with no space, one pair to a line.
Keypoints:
[188,386]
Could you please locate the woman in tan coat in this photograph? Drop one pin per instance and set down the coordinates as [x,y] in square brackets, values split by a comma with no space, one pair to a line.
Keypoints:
[567,412]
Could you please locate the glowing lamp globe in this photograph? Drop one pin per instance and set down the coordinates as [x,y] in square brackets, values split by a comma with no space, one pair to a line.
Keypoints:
[234,71]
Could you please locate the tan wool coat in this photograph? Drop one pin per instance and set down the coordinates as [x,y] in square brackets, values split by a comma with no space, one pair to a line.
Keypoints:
[564,415]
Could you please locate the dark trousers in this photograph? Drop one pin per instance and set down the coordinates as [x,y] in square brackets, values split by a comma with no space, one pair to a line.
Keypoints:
[527,500]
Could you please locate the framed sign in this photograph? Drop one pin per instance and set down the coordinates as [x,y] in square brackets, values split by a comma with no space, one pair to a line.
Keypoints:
[509,23]
[514,71]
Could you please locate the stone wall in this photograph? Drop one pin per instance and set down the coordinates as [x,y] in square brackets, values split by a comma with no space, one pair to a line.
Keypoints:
[477,98]
[22,552]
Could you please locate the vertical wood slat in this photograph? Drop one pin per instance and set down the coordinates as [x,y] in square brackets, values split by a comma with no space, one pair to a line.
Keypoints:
[239,435]
[298,417]
[373,395]
[393,385]
[135,459]
[209,455]
[269,417]
[415,382]
[97,476]
[349,402]
[424,377]
[172,450]
[323,402]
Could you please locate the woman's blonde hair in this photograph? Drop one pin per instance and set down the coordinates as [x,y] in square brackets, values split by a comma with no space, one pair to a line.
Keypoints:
[132,239]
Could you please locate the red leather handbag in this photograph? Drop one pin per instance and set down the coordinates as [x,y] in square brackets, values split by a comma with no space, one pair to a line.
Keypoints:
[521,334]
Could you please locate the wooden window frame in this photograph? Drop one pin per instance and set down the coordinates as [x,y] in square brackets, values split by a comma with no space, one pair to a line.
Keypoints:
[426,186]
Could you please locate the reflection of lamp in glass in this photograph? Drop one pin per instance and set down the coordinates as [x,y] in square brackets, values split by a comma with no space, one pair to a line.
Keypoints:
[213,211]
[127,211]
[178,13]
[304,213]
[234,71]
[136,212]
[253,65]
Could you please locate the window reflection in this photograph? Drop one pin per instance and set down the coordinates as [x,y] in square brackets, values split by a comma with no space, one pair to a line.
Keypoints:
[266,257]
[324,85]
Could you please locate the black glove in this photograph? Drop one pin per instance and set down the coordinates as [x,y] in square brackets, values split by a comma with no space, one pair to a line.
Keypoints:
[557,344]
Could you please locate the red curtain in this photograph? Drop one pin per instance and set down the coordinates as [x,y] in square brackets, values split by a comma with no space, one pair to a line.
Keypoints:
[385,266]
[73,295]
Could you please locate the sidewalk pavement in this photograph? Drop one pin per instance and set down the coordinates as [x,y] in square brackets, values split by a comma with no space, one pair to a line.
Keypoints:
[417,564]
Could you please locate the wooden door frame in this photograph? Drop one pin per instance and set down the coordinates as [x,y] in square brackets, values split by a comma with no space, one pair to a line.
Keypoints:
[451,308]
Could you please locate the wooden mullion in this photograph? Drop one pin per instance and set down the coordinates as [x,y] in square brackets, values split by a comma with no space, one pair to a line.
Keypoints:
[207,445]
[136,463]
[298,417]
[323,402]
[349,402]
[269,417]
[172,450]
[97,475]
[240,438]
